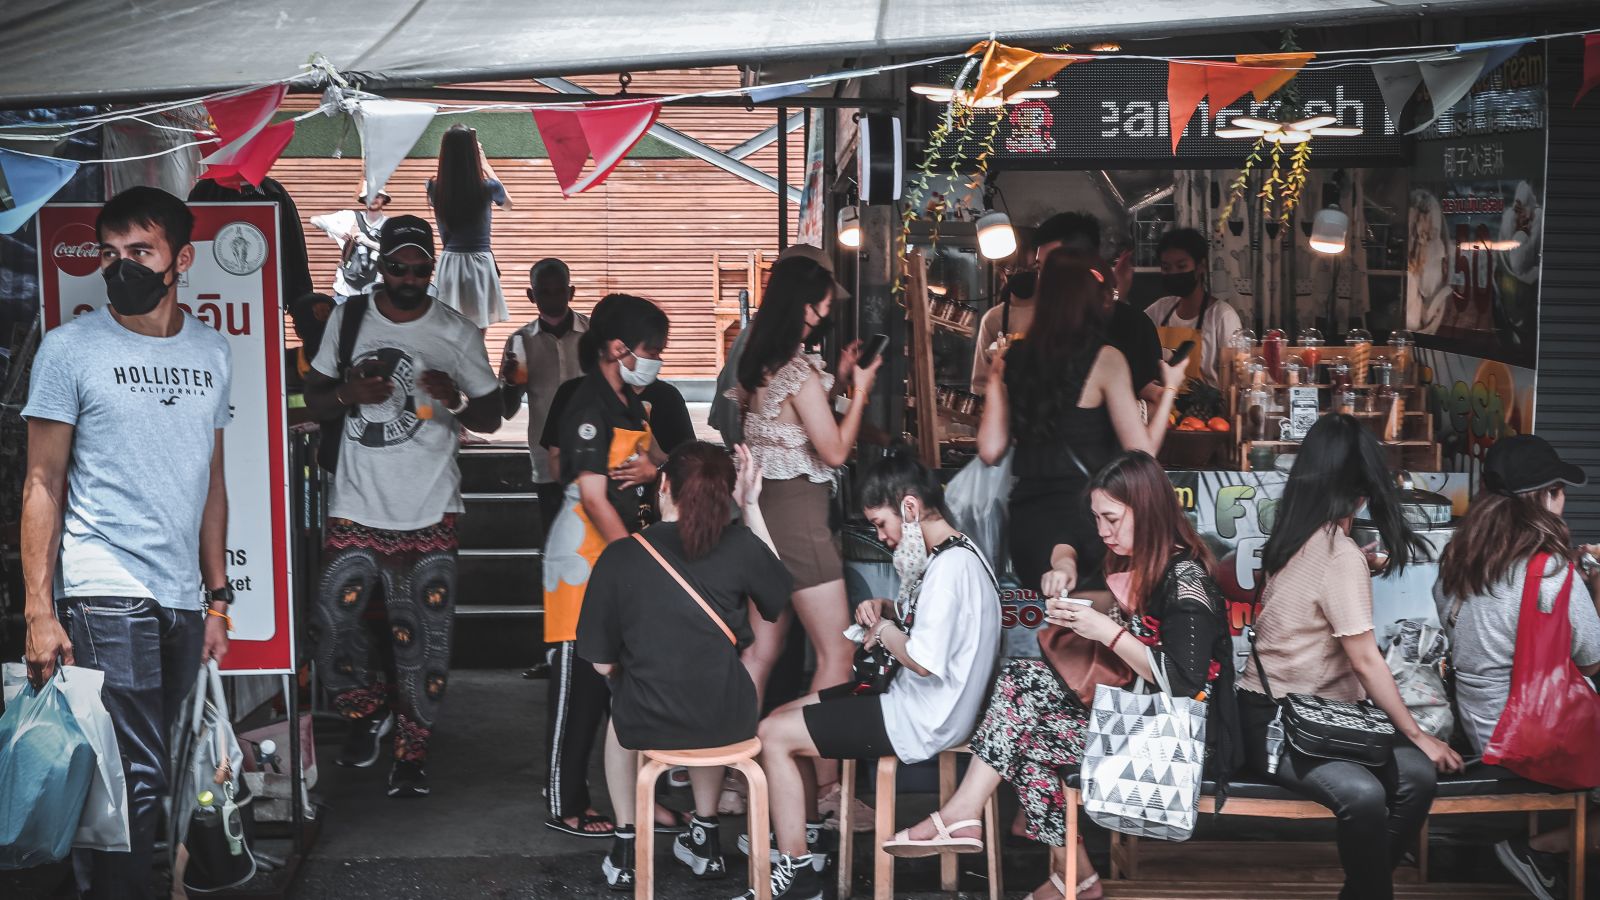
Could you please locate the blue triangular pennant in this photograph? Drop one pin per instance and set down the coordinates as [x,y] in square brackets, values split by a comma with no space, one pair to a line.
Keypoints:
[32,181]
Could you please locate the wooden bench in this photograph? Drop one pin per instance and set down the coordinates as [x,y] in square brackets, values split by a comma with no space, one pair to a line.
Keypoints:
[1458,795]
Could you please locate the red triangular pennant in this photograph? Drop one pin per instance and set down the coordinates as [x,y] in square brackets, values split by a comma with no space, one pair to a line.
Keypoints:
[249,144]
[1186,87]
[1591,66]
[605,131]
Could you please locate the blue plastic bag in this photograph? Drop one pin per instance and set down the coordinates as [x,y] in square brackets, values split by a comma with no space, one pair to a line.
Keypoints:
[46,765]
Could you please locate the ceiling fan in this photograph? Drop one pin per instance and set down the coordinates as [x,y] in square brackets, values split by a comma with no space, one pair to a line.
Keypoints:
[1297,132]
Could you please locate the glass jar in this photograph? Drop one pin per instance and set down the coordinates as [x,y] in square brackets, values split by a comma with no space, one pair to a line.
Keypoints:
[1294,371]
[1311,353]
[1272,345]
[1359,340]
[1402,346]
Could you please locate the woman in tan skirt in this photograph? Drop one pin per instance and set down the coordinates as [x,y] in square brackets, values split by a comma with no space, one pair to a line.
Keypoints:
[793,435]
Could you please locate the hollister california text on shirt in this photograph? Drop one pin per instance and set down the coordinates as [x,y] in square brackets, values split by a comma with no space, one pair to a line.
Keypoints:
[397,469]
[145,412]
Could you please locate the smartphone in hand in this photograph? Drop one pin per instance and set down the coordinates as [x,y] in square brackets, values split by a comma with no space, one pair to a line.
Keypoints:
[1181,353]
[872,349]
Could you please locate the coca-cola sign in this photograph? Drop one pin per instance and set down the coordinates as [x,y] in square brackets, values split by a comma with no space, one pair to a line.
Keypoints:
[76,249]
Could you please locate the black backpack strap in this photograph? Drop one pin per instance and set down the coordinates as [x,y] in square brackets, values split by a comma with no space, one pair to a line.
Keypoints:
[1255,654]
[355,309]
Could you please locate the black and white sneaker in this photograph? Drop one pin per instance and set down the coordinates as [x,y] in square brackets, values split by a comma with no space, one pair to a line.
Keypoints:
[821,842]
[700,849]
[618,864]
[364,744]
[793,878]
[408,779]
[1543,874]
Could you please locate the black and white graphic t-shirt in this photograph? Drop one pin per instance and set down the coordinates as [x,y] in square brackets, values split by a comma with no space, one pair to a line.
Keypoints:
[145,411]
[397,468]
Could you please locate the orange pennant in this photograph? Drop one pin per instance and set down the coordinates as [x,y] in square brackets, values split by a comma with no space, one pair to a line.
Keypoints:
[1186,87]
[1006,70]
[1286,66]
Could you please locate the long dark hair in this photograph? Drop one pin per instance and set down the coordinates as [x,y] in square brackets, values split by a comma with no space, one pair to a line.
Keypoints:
[779,325]
[899,474]
[1339,465]
[1500,530]
[700,478]
[459,191]
[1068,330]
[632,320]
[1160,528]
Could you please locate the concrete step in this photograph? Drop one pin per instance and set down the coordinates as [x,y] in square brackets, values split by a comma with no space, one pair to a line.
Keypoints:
[495,468]
[500,520]
[499,577]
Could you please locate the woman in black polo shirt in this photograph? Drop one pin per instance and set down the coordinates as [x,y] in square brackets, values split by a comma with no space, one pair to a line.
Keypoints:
[604,428]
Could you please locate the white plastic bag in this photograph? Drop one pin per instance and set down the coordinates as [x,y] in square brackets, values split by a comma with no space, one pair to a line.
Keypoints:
[977,497]
[1416,650]
[104,822]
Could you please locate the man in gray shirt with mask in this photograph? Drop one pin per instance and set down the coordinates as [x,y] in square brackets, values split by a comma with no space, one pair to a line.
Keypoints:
[124,506]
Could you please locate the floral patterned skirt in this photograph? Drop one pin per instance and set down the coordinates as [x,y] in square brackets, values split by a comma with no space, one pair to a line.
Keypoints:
[1030,732]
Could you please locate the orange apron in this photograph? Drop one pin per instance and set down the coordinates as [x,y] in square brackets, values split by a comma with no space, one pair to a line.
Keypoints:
[1173,335]
[574,544]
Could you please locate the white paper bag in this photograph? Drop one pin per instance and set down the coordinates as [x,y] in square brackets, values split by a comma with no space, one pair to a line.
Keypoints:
[104,822]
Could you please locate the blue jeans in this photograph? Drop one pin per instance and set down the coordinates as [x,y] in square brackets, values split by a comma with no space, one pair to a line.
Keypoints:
[151,657]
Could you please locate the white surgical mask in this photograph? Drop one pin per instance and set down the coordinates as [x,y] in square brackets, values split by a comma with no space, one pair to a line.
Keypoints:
[643,373]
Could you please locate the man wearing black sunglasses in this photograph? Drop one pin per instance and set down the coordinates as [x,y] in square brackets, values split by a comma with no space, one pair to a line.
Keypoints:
[418,371]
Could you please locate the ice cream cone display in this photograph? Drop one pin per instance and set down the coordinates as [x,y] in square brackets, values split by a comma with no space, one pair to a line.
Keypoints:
[1359,340]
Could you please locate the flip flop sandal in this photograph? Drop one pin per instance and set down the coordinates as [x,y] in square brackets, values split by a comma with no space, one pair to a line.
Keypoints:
[903,846]
[555,823]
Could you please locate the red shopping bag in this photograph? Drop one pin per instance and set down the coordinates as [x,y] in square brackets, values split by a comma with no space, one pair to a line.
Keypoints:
[1552,717]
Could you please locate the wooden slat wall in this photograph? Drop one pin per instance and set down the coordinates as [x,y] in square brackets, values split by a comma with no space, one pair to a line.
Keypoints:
[650,229]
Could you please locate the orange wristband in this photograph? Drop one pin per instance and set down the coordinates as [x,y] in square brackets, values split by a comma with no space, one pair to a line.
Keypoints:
[223,616]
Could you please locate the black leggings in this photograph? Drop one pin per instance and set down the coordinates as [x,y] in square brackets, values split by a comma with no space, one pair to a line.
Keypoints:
[1379,810]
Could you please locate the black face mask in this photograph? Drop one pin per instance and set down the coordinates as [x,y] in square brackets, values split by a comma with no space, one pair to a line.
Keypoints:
[1021,285]
[132,288]
[1179,284]
[406,296]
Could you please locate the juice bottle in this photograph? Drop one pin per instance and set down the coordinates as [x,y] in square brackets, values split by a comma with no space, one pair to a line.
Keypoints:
[1311,352]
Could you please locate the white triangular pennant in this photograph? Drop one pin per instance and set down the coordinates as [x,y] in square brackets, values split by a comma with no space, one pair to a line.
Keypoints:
[389,129]
[1449,80]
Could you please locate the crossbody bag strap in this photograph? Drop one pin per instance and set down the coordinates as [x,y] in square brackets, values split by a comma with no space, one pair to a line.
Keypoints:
[1255,654]
[683,583]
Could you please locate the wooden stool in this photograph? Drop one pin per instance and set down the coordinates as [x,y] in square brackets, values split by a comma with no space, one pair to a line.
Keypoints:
[739,756]
[882,862]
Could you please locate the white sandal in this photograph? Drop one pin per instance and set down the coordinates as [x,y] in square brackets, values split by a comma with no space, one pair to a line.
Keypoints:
[943,841]
[1061,886]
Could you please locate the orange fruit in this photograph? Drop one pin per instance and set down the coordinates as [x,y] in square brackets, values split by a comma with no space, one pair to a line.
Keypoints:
[1218,423]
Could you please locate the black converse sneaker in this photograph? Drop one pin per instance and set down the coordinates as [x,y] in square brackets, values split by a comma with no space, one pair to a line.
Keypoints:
[618,864]
[793,878]
[364,744]
[700,849]
[821,842]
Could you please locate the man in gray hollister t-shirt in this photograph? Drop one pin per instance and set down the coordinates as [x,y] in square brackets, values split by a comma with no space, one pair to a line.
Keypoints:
[124,507]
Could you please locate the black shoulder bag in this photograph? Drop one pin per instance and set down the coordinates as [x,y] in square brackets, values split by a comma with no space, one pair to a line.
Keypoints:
[332,429]
[1357,732]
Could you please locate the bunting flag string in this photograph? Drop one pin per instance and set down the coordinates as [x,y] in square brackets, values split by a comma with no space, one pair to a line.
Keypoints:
[247,141]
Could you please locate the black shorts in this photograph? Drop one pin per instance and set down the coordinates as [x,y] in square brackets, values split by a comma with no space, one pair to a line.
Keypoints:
[844,726]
